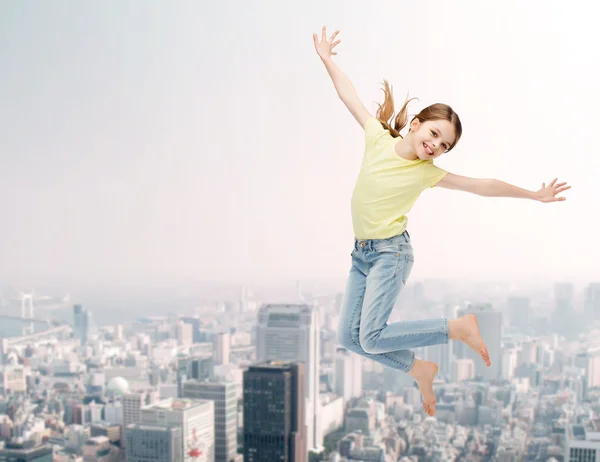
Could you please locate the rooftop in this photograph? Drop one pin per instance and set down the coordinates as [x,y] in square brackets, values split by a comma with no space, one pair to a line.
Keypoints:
[274,364]
[152,427]
[588,431]
[19,449]
[212,381]
[96,440]
[592,429]
[173,404]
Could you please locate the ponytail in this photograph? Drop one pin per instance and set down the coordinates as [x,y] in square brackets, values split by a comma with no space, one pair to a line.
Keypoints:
[385,112]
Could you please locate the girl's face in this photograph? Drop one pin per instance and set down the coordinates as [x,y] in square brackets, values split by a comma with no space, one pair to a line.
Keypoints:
[432,138]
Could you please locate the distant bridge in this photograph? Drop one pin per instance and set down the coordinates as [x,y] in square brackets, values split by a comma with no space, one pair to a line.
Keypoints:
[60,332]
[17,326]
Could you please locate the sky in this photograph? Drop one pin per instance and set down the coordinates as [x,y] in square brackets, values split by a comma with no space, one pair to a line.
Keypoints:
[146,142]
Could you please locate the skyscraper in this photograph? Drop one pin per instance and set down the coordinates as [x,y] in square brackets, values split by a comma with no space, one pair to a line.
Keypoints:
[291,333]
[81,323]
[222,342]
[348,375]
[223,394]
[589,360]
[462,369]
[3,350]
[185,334]
[196,325]
[490,326]
[199,366]
[592,301]
[564,319]
[520,313]
[133,404]
[440,354]
[274,405]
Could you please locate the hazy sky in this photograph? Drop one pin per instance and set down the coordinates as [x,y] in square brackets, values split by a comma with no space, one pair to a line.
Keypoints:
[148,141]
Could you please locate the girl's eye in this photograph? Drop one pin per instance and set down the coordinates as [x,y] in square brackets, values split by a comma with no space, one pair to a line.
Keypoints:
[445,146]
[434,134]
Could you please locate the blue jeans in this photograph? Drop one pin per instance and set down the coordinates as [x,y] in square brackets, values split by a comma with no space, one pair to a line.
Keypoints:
[380,269]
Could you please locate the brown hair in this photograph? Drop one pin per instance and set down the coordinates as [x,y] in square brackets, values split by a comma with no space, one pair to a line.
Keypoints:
[438,111]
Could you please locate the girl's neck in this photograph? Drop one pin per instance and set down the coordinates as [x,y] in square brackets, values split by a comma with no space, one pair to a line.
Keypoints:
[404,148]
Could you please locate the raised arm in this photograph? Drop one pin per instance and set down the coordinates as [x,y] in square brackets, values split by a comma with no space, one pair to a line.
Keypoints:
[341,82]
[496,188]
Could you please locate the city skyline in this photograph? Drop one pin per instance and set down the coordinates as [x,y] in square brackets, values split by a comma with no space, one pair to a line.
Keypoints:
[175,188]
[150,145]
[175,382]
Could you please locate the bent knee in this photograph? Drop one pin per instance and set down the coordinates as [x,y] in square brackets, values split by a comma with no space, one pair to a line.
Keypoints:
[344,339]
[368,342]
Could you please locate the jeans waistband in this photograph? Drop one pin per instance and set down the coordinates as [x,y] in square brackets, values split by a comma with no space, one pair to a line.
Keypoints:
[404,237]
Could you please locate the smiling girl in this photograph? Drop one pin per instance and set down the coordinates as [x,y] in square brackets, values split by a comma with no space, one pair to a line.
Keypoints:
[395,170]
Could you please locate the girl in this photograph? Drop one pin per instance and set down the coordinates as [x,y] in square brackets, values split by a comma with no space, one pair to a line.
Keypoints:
[394,172]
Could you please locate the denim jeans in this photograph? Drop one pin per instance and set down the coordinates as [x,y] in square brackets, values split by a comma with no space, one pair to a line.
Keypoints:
[380,269]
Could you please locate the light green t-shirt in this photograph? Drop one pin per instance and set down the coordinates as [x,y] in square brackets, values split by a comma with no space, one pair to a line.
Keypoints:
[387,186]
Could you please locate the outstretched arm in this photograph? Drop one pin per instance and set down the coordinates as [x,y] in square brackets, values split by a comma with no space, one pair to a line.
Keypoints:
[341,82]
[496,188]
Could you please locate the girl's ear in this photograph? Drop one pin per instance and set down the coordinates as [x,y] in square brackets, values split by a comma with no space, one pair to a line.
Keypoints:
[414,125]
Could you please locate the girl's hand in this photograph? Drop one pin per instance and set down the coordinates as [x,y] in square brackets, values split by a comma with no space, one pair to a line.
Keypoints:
[549,193]
[324,47]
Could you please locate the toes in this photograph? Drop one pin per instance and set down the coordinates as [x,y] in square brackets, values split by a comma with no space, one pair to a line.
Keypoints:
[429,409]
[486,356]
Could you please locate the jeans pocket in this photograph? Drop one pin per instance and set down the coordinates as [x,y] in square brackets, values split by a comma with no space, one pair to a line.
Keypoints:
[409,261]
[389,248]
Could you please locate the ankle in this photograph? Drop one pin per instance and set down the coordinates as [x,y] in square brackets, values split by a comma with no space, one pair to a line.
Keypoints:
[416,368]
[453,329]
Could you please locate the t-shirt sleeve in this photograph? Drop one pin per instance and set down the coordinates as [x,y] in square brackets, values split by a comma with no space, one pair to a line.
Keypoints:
[432,174]
[374,132]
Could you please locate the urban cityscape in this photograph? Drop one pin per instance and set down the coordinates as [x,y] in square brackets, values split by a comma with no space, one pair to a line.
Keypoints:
[253,379]
[179,228]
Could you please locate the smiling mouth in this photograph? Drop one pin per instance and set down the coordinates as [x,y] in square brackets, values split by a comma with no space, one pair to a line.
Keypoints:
[428,150]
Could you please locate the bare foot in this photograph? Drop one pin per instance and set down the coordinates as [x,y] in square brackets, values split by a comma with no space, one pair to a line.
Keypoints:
[466,329]
[424,372]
